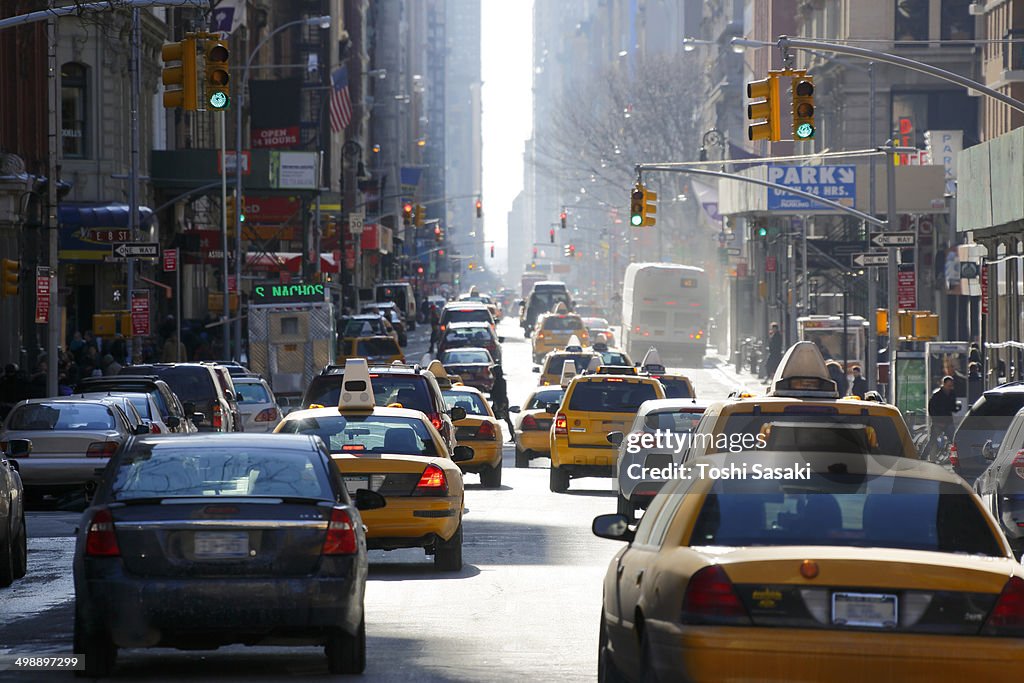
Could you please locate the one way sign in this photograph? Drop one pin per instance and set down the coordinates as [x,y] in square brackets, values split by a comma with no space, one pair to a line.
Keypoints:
[895,239]
[123,250]
[871,259]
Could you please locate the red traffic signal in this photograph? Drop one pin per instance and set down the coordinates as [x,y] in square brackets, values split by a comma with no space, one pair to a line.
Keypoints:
[552,235]
[535,252]
[479,208]
[562,217]
[419,270]
[492,251]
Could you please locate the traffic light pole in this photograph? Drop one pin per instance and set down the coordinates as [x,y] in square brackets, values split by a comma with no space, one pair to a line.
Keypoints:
[53,151]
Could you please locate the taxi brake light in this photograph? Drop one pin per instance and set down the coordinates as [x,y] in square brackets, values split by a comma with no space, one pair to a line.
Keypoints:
[432,481]
[1007,617]
[101,540]
[341,534]
[561,424]
[101,449]
[954,457]
[486,431]
[613,379]
[435,420]
[529,422]
[711,598]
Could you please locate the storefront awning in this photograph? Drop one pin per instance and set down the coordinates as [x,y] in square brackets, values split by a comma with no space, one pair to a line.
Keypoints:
[87,230]
[289,261]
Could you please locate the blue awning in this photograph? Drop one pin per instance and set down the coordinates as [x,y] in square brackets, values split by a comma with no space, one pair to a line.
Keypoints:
[81,215]
[87,230]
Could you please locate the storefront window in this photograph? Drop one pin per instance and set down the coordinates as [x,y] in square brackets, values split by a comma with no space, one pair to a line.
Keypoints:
[73,110]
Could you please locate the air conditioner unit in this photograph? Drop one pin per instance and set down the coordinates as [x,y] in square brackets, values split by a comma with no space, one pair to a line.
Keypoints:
[976,9]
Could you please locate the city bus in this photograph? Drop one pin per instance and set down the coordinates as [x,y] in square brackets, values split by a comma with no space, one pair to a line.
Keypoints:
[665,305]
[827,332]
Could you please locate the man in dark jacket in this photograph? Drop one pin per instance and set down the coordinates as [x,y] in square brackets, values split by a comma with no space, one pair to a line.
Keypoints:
[941,407]
[499,400]
[859,387]
[774,350]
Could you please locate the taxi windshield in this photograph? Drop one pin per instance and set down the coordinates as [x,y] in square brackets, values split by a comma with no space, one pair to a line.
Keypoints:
[675,388]
[555,362]
[465,356]
[363,328]
[844,510]
[367,434]
[611,396]
[817,436]
[471,402]
[563,323]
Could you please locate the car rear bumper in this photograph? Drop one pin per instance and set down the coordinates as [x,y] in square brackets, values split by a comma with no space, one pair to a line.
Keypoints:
[152,611]
[564,455]
[534,440]
[70,471]
[486,454]
[718,653]
[411,517]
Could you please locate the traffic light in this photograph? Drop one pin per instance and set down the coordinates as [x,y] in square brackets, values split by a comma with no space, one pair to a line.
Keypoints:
[569,250]
[419,270]
[440,252]
[760,231]
[407,213]
[479,209]
[803,107]
[11,276]
[420,215]
[231,206]
[763,110]
[181,77]
[438,233]
[535,253]
[551,234]
[217,74]
[650,208]
[562,217]
[636,206]
[492,251]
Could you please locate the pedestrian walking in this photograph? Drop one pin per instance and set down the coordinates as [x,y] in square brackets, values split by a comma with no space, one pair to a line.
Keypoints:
[499,400]
[859,386]
[774,350]
[941,407]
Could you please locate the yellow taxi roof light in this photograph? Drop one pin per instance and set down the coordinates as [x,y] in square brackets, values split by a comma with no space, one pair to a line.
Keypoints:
[437,369]
[356,388]
[802,373]
[574,344]
[594,364]
[568,372]
[652,361]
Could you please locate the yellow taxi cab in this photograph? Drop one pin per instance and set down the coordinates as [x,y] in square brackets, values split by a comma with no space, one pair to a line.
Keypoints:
[534,423]
[554,330]
[802,393]
[845,568]
[479,430]
[609,355]
[676,385]
[378,350]
[398,453]
[551,372]
[593,406]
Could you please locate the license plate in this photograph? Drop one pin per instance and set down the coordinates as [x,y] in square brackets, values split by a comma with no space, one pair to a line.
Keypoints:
[221,545]
[355,483]
[876,610]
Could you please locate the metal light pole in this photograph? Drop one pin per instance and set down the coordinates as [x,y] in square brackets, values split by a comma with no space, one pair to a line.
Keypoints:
[323,22]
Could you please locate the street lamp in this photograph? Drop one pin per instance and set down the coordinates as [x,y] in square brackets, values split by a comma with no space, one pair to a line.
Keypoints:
[324,22]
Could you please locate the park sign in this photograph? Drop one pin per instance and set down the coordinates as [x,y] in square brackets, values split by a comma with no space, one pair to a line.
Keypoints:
[837,183]
[291,293]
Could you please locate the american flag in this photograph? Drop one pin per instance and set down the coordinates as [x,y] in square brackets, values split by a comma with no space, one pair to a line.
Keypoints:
[341,104]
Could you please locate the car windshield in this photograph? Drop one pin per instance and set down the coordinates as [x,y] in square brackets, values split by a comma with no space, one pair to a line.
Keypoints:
[676,421]
[252,392]
[189,382]
[477,334]
[614,358]
[377,347]
[363,328]
[469,316]
[471,402]
[884,426]
[464,356]
[555,363]
[563,323]
[367,434]
[844,510]
[542,398]
[176,470]
[675,388]
[62,416]
[611,396]
[409,390]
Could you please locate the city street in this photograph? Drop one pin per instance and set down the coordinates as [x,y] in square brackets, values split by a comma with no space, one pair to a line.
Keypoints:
[524,607]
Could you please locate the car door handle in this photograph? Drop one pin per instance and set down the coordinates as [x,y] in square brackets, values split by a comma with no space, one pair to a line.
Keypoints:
[639,577]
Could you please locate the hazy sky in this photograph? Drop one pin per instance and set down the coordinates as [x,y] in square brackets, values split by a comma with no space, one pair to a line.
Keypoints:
[506,61]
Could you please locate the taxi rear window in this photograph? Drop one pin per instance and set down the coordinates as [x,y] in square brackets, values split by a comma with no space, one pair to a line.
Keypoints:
[474,315]
[886,431]
[367,434]
[377,347]
[472,403]
[675,388]
[677,422]
[611,396]
[409,390]
[543,398]
[555,363]
[563,323]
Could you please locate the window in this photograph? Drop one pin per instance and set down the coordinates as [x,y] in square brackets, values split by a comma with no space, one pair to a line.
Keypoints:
[911,20]
[367,434]
[611,396]
[472,403]
[957,22]
[73,110]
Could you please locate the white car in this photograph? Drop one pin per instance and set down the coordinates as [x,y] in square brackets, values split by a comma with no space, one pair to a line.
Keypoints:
[257,404]
[143,404]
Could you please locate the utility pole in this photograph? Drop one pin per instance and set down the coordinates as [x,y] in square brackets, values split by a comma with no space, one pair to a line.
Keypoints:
[53,152]
[133,174]
[871,362]
[892,271]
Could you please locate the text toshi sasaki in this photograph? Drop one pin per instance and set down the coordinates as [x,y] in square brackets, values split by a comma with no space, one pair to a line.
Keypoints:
[703,470]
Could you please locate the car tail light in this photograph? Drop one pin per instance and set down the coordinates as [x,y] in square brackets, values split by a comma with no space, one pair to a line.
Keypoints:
[711,598]
[432,482]
[561,424]
[101,449]
[529,422]
[267,415]
[341,534]
[101,540]
[435,420]
[954,457]
[218,422]
[540,335]
[154,428]
[1007,617]
[486,431]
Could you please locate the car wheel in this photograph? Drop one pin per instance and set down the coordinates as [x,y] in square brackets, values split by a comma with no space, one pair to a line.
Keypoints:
[491,477]
[559,480]
[7,560]
[522,458]
[20,550]
[346,653]
[607,672]
[625,507]
[97,648]
[448,554]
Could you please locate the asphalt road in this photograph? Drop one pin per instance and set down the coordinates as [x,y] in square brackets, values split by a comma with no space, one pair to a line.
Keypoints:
[524,607]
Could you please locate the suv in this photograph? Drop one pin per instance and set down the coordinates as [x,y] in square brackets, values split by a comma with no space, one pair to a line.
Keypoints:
[227,385]
[465,312]
[409,385]
[986,420]
[543,298]
[172,414]
[459,335]
[198,386]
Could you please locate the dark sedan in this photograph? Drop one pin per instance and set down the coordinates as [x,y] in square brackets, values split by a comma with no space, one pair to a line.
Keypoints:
[209,540]
[13,536]
[474,366]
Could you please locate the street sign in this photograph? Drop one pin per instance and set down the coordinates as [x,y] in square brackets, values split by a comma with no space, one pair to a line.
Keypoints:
[170,260]
[770,264]
[42,295]
[844,249]
[355,223]
[906,287]
[895,239]
[732,251]
[871,259]
[123,250]
[140,312]
[724,236]
[837,183]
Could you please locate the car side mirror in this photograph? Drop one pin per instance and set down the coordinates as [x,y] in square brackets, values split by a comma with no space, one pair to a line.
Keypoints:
[229,395]
[141,429]
[173,422]
[513,409]
[189,407]
[551,407]
[462,454]
[369,500]
[989,450]
[197,418]
[15,466]
[615,438]
[536,368]
[613,527]
[19,448]
[501,340]
[457,413]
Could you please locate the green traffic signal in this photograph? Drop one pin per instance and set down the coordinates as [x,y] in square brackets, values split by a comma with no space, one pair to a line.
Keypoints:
[762,231]
[219,100]
[804,131]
